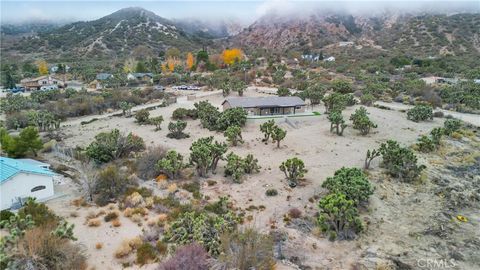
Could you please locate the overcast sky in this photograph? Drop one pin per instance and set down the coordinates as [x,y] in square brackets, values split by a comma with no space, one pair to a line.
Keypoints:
[13,11]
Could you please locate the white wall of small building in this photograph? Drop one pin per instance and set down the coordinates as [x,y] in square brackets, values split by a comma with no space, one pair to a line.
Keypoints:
[20,186]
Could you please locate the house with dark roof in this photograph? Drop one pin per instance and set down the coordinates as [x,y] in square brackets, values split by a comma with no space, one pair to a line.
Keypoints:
[141,77]
[20,179]
[267,105]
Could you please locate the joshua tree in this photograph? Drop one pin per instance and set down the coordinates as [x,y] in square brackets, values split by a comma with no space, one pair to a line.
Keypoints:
[278,134]
[234,135]
[157,121]
[171,164]
[126,108]
[336,122]
[294,170]
[267,128]
[142,116]
[361,121]
[370,156]
[205,155]
[176,130]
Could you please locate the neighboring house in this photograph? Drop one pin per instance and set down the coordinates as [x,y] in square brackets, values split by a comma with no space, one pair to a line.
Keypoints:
[310,57]
[100,80]
[438,80]
[141,77]
[47,81]
[23,178]
[329,59]
[267,105]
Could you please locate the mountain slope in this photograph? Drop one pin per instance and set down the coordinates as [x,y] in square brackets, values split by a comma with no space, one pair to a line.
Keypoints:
[116,34]
[434,34]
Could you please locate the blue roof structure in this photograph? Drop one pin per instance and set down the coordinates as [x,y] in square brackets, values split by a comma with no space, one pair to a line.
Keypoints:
[9,167]
[103,76]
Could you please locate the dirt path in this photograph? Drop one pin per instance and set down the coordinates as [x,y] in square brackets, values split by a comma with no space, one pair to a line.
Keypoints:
[473,119]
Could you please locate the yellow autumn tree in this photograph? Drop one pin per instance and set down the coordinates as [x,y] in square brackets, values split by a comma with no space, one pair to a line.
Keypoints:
[164,68]
[129,65]
[190,61]
[171,64]
[42,67]
[231,56]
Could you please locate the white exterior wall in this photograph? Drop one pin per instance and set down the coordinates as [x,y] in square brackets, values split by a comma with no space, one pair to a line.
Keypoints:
[20,186]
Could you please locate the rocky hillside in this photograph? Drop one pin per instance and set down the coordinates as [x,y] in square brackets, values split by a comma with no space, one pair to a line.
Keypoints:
[114,35]
[434,34]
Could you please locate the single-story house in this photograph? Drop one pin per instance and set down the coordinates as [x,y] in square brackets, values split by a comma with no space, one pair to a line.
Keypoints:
[143,77]
[42,81]
[23,178]
[267,105]
[103,76]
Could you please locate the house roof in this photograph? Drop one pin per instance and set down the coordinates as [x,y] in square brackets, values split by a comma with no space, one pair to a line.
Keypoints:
[137,75]
[253,102]
[103,76]
[9,167]
[34,162]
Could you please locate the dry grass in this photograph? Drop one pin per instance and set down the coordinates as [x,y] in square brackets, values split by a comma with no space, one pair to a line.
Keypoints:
[99,245]
[74,214]
[94,222]
[134,200]
[172,188]
[128,212]
[137,218]
[116,223]
[123,250]
[79,202]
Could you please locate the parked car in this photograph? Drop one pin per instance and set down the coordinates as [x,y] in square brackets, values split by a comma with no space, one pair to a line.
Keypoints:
[48,87]
[17,90]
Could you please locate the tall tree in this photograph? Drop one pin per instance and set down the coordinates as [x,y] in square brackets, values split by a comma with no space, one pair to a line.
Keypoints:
[190,61]
[42,67]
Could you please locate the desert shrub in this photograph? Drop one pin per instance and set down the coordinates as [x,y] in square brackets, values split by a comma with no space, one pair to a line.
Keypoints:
[342,86]
[233,135]
[189,257]
[371,155]
[231,117]
[340,216]
[111,184]
[294,170]
[176,130]
[361,121]
[350,181]
[334,102]
[208,114]
[294,213]
[39,248]
[145,254]
[367,99]
[451,125]
[182,114]
[271,192]
[5,215]
[235,167]
[146,163]
[109,146]
[116,223]
[337,123]
[283,91]
[171,164]
[39,212]
[400,161]
[123,250]
[420,113]
[425,144]
[202,228]
[247,249]
[194,188]
[110,216]
[142,116]
[94,222]
[18,146]
[162,247]
[205,155]
[98,245]
[436,135]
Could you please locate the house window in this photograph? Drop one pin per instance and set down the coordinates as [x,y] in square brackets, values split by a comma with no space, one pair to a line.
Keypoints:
[44,82]
[54,82]
[37,188]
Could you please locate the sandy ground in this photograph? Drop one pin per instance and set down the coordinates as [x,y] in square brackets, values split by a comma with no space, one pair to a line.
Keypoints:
[322,152]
